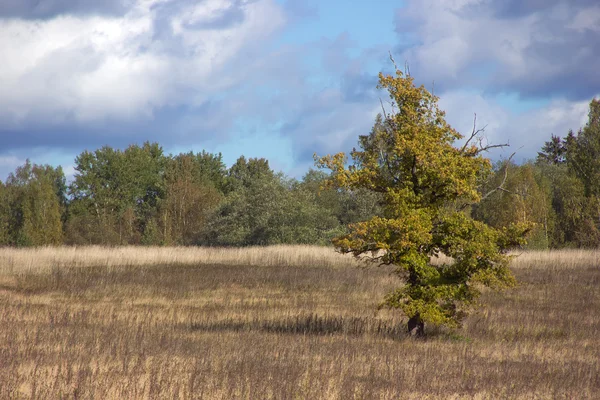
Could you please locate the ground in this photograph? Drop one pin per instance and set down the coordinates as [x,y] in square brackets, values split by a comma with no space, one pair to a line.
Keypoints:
[282,323]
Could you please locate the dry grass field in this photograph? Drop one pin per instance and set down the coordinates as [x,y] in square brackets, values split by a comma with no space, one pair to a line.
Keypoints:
[282,323]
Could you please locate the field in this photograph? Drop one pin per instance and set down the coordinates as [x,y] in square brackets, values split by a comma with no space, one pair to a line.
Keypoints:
[282,323]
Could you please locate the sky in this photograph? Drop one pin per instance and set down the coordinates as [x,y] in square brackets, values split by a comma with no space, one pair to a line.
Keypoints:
[283,79]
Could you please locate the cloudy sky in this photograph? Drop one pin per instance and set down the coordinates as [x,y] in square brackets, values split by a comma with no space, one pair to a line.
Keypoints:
[282,79]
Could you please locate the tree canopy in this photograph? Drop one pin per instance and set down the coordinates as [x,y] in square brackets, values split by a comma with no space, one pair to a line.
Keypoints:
[427,184]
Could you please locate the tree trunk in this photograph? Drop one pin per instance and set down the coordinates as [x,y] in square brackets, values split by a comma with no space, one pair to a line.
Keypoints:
[416,326]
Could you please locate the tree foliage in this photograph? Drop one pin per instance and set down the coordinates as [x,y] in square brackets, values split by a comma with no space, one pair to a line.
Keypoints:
[139,195]
[554,151]
[425,181]
[571,166]
[33,204]
[191,183]
[526,198]
[584,157]
[114,193]
[262,207]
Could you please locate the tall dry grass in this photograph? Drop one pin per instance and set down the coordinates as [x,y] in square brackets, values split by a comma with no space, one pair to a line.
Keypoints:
[44,259]
[282,323]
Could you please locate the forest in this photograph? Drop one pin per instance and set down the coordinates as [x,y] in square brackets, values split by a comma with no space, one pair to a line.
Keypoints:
[142,196]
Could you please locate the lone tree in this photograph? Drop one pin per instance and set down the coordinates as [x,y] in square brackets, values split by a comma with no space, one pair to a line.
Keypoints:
[427,185]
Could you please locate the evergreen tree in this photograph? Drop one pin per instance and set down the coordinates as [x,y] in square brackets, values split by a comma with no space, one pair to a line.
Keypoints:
[554,151]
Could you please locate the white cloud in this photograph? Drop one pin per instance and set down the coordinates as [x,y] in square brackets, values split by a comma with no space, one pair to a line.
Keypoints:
[96,68]
[461,107]
[531,53]
[586,19]
[451,39]
[525,132]
[8,163]
[179,71]
[477,50]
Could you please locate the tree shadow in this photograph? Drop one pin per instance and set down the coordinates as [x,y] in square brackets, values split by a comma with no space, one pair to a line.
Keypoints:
[9,288]
[310,324]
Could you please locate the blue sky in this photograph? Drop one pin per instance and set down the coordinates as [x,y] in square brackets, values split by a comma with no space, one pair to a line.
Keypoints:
[282,79]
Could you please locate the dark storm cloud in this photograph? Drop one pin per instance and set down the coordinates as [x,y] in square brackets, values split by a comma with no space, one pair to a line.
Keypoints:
[45,9]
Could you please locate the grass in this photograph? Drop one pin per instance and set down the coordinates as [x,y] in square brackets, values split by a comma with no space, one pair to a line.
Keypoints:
[282,323]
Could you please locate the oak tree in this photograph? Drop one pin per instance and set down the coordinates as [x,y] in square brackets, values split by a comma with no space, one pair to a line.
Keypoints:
[427,184]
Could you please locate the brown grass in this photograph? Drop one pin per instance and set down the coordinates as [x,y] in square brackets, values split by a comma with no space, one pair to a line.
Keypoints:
[282,323]
[43,259]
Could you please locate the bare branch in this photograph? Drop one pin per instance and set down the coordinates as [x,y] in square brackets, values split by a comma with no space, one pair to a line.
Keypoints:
[508,191]
[492,146]
[432,104]
[501,186]
[382,156]
[393,61]
[474,133]
[383,109]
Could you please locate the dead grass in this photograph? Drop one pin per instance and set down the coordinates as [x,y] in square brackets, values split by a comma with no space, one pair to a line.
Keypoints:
[282,323]
[44,259]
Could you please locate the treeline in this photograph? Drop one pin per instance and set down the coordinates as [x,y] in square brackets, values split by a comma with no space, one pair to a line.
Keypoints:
[559,191]
[143,196]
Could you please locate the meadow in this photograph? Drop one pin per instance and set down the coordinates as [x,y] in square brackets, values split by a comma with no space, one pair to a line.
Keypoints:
[282,322]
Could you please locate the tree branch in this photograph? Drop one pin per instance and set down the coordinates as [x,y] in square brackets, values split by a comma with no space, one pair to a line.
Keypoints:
[393,61]
[491,146]
[386,125]
[383,109]
[475,134]
[501,186]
